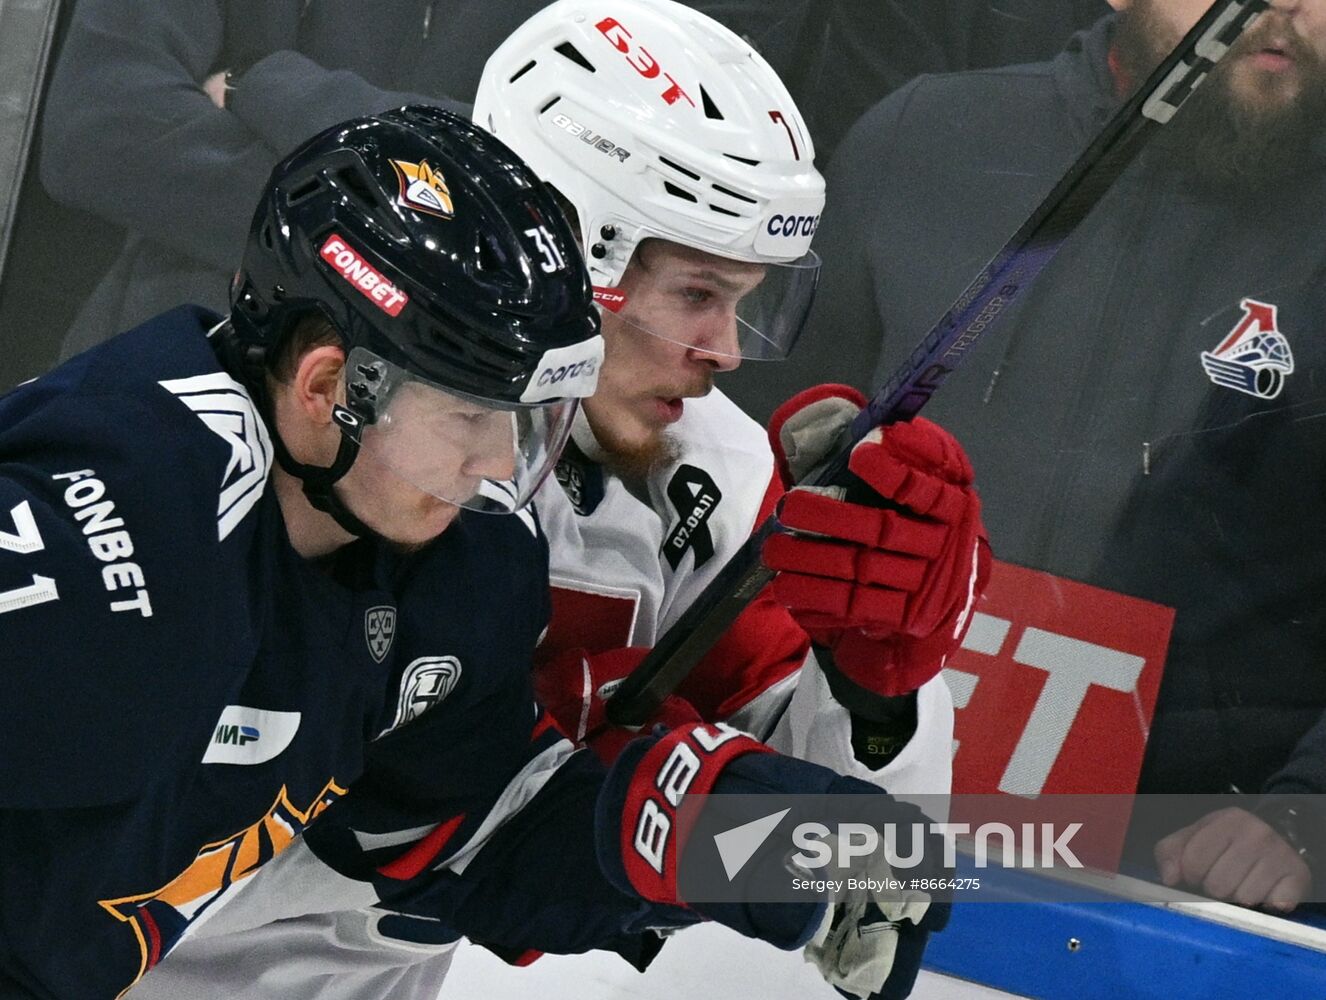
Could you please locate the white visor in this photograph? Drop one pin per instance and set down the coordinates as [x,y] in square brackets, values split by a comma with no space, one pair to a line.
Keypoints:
[731,308]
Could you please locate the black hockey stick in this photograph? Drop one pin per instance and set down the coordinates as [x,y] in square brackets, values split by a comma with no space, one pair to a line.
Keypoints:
[940,352]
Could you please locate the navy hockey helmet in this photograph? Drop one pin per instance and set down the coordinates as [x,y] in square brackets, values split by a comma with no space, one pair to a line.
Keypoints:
[454,283]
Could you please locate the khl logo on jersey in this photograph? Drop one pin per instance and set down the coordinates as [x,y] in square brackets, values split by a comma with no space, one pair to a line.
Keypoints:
[426,682]
[581,480]
[379,630]
[1255,358]
[225,407]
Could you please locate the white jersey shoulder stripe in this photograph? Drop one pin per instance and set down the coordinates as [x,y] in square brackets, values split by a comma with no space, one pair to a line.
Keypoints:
[224,407]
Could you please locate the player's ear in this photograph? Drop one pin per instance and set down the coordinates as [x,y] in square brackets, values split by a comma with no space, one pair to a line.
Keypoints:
[1119,4]
[319,382]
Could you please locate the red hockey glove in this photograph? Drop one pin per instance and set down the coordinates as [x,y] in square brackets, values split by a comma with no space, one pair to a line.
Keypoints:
[883,573]
[574,687]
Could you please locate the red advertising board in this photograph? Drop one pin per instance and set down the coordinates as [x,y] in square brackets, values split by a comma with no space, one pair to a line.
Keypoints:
[1055,686]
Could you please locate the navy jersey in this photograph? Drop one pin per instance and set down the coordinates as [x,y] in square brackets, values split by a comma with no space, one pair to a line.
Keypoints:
[184,694]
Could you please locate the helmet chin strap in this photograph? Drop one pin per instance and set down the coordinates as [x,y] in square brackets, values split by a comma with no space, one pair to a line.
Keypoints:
[584,437]
[319,481]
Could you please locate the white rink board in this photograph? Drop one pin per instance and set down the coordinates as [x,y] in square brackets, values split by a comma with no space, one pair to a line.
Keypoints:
[707,961]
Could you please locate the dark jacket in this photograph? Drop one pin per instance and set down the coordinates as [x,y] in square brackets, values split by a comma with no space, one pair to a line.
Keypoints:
[1104,452]
[129,135]
[866,49]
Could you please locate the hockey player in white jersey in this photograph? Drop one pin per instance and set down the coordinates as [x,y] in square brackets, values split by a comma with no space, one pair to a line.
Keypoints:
[690,175]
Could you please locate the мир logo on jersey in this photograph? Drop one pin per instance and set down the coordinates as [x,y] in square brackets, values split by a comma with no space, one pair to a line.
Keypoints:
[379,630]
[1255,358]
[248,735]
[423,188]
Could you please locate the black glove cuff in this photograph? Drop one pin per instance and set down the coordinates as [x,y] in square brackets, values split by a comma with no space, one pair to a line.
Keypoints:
[869,705]
[881,724]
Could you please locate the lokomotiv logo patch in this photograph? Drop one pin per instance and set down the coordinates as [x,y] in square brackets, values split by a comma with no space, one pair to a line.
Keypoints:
[1255,358]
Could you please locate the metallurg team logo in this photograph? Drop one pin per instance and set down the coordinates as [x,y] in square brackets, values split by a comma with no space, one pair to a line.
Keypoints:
[423,188]
[1255,358]
[379,630]
[426,682]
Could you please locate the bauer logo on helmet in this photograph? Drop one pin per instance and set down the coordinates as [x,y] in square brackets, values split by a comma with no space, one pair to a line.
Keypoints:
[590,137]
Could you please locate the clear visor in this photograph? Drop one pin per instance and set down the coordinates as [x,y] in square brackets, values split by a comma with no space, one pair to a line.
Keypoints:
[731,308]
[472,452]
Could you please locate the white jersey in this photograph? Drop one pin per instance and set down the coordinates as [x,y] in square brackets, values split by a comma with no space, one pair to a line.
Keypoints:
[653,548]
[625,563]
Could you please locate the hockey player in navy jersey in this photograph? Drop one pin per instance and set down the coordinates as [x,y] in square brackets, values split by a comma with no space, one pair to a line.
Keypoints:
[263,593]
[697,215]
[208,527]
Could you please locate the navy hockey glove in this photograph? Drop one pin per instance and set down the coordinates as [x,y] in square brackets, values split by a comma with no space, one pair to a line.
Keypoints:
[862,941]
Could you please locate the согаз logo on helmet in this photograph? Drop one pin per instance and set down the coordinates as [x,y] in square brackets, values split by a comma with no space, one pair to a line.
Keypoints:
[554,376]
[793,225]
[565,372]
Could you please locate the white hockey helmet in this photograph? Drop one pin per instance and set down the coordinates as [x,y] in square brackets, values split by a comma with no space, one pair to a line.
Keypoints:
[654,120]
